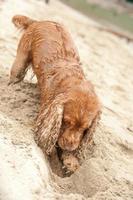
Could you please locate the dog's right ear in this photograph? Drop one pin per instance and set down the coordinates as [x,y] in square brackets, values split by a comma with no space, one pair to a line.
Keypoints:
[48,126]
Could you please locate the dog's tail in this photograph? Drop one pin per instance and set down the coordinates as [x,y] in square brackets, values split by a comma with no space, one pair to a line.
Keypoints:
[21,21]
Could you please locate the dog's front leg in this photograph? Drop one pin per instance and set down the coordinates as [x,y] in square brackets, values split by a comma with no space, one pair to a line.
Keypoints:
[21,62]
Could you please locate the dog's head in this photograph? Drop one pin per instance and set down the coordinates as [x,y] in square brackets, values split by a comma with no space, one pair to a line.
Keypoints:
[79,113]
[67,122]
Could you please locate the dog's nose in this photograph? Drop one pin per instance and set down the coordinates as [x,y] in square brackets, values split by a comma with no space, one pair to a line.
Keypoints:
[71,147]
[67,144]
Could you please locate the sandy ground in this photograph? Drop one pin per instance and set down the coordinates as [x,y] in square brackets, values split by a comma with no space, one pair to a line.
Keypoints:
[107,173]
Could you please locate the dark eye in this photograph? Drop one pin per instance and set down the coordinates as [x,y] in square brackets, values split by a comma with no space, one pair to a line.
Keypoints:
[85,131]
[65,124]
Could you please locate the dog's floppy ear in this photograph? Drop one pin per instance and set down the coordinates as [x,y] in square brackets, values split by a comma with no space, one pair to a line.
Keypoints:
[89,135]
[48,126]
[87,140]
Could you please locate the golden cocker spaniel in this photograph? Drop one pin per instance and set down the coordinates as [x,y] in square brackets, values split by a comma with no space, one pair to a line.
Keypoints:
[69,109]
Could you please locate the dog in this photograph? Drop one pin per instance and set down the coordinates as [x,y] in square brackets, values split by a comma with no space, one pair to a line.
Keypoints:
[69,107]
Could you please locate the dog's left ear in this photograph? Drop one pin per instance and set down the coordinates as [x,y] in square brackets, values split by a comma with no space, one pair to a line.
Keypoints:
[48,126]
[87,140]
[89,135]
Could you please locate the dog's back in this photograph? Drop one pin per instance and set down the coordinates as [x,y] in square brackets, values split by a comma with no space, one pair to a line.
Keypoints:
[49,40]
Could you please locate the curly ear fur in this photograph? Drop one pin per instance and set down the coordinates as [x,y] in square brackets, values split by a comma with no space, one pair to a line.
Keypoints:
[48,126]
[88,138]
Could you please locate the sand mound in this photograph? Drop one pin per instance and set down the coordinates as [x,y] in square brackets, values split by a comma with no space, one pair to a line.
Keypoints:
[108,63]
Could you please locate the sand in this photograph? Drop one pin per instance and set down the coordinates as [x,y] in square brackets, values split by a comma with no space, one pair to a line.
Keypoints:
[107,172]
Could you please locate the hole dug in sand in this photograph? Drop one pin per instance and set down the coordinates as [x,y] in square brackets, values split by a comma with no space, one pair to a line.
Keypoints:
[87,180]
[63,164]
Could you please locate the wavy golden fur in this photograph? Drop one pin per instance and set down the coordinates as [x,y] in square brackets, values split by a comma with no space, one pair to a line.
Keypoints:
[69,108]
